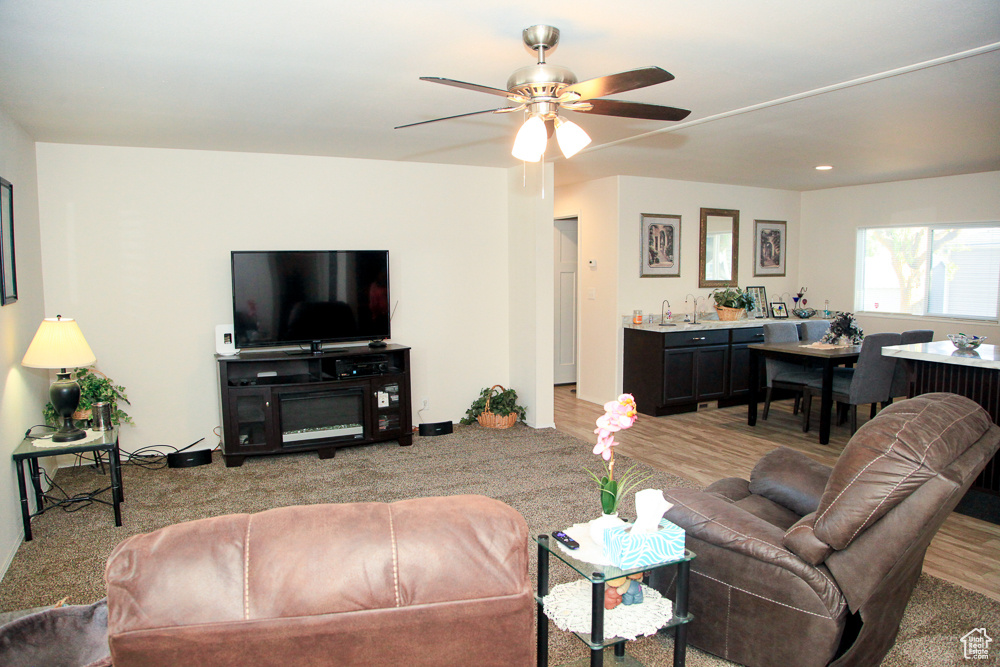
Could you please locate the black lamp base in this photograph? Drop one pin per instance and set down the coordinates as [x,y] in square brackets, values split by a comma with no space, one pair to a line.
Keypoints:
[69,433]
[65,396]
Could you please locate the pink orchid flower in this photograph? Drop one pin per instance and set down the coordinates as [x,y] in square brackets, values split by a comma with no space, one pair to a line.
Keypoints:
[618,415]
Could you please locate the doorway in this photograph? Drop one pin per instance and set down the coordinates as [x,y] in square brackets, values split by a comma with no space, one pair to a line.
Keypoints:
[565,306]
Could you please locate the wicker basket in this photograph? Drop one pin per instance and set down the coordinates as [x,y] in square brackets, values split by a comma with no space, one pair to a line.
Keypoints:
[490,420]
[729,314]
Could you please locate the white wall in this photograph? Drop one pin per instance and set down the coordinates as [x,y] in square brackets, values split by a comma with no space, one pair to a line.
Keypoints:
[23,391]
[686,199]
[136,246]
[652,195]
[530,293]
[829,235]
[595,205]
[609,212]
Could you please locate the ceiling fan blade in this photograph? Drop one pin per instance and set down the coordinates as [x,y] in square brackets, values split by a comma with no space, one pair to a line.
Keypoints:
[461,115]
[476,87]
[619,83]
[634,110]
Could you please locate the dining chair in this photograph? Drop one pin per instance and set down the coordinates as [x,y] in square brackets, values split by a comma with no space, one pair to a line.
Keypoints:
[785,374]
[869,383]
[901,376]
[812,330]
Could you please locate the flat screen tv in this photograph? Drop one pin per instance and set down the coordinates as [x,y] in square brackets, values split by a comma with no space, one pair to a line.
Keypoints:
[312,297]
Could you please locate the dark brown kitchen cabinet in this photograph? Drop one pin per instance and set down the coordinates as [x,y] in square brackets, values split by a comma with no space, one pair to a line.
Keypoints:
[672,372]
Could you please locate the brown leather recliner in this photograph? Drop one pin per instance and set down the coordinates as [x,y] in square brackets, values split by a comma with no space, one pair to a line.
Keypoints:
[809,565]
[429,581]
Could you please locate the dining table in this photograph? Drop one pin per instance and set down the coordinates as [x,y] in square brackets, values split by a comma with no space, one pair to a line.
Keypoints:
[824,356]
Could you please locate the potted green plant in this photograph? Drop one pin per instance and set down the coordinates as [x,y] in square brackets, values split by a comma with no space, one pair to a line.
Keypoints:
[95,387]
[495,409]
[732,302]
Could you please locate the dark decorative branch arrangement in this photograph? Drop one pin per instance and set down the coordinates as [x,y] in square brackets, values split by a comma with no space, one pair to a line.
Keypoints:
[844,326]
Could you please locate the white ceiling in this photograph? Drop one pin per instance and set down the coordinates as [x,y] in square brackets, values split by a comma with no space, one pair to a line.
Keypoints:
[883,91]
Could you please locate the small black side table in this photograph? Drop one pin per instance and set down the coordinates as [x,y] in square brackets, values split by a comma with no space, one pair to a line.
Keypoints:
[28,451]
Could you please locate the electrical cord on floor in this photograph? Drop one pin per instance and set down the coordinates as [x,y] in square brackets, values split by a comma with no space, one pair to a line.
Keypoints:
[152,458]
[67,502]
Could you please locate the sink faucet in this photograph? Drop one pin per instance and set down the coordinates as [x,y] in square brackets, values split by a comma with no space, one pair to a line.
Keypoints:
[694,309]
[664,311]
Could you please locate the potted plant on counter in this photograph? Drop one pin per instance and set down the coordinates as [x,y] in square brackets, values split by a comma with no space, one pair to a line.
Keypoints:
[732,303]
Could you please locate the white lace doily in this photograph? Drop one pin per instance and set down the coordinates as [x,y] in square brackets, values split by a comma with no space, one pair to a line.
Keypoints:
[589,551]
[46,442]
[568,605]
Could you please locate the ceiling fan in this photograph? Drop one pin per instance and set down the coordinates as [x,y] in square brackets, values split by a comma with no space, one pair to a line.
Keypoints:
[543,90]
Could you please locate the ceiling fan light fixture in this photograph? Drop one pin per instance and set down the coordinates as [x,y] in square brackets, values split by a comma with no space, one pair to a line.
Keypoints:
[571,137]
[529,145]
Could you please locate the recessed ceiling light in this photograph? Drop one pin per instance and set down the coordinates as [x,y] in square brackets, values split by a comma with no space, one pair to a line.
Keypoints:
[824,167]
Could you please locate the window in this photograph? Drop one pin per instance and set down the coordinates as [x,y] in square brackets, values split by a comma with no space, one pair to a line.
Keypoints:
[937,270]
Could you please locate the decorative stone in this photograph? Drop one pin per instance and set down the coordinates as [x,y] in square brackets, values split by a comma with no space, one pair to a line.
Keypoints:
[634,593]
[612,598]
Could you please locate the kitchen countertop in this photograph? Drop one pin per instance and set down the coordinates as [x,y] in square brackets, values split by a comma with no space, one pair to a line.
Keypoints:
[706,325]
[943,352]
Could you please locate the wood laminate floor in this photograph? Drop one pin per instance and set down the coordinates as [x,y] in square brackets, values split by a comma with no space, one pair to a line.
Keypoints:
[711,444]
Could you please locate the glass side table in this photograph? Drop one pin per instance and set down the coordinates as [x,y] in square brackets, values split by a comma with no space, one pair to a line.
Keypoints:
[28,453]
[597,575]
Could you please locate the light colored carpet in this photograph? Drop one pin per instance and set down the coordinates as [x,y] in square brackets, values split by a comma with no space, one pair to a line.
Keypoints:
[538,472]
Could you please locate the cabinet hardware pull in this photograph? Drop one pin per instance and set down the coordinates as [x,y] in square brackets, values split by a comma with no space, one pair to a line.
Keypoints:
[701,338]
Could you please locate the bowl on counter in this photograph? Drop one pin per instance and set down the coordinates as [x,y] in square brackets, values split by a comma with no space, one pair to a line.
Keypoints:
[966,341]
[804,313]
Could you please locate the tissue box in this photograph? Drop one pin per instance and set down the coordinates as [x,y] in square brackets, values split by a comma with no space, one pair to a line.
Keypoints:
[629,551]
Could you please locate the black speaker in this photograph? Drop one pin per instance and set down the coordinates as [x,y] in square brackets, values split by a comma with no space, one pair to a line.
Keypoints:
[198,457]
[436,428]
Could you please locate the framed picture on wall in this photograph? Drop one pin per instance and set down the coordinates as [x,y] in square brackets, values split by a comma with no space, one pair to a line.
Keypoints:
[779,310]
[8,274]
[769,247]
[660,246]
[759,301]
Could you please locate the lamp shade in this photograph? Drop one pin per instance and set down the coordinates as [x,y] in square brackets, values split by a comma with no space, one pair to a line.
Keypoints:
[58,343]
[529,145]
[571,137]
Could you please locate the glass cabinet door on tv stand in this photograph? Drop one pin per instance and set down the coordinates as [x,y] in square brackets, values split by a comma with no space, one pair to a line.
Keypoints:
[277,403]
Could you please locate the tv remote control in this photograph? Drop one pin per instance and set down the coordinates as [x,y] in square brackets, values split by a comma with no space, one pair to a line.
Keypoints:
[565,539]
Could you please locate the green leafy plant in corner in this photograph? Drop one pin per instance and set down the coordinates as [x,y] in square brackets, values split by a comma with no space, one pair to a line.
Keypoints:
[501,402]
[733,297]
[95,387]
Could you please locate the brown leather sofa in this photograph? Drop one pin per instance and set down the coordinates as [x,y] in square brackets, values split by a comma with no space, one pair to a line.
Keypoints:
[809,565]
[429,581]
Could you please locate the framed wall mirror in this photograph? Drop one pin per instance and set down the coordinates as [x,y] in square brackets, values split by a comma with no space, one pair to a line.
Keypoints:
[718,248]
[8,275]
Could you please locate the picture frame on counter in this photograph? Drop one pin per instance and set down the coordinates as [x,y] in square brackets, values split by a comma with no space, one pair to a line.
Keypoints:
[779,310]
[759,295]
[769,247]
[660,246]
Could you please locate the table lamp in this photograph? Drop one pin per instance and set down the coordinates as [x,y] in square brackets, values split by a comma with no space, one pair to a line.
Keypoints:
[59,343]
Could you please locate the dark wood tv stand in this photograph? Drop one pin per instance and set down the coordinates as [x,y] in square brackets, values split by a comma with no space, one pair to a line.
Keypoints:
[275,402]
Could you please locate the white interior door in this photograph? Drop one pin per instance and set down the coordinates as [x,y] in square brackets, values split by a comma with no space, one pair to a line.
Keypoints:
[565,301]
